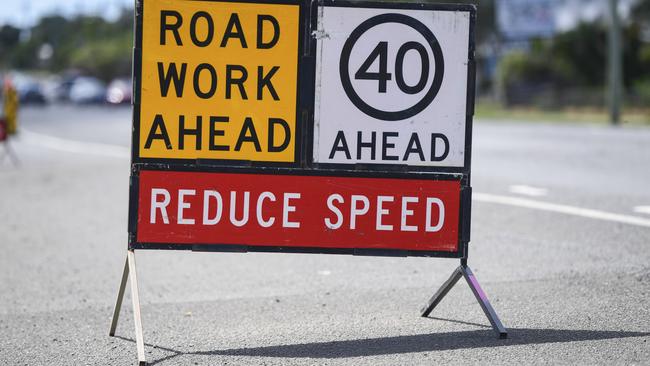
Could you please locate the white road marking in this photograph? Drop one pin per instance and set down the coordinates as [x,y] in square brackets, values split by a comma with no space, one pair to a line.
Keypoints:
[116,151]
[528,190]
[564,209]
[72,146]
[642,209]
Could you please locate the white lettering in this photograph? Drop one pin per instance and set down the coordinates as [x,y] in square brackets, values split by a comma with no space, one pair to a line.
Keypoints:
[155,204]
[182,205]
[382,212]
[233,209]
[260,202]
[406,213]
[335,210]
[288,208]
[356,211]
[206,207]
[441,216]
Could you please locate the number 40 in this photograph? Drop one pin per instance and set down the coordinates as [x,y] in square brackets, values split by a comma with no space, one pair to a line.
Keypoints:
[382,76]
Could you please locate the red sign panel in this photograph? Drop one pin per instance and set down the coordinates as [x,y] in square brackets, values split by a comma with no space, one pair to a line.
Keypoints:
[197,208]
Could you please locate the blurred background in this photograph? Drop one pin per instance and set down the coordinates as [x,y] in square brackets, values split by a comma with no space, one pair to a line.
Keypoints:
[537,59]
[560,212]
[68,52]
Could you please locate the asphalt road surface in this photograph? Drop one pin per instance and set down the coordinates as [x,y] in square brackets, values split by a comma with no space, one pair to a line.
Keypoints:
[560,244]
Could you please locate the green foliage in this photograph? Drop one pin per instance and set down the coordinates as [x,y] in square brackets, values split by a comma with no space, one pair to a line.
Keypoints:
[9,36]
[642,87]
[90,44]
[105,58]
[641,12]
[574,60]
[583,51]
[520,66]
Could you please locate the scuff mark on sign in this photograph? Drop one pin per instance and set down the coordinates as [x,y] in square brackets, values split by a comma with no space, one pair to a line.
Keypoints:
[320,34]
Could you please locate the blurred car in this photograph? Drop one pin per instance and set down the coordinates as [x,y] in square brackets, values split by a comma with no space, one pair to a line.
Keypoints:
[87,90]
[50,87]
[119,91]
[28,88]
[60,91]
[30,93]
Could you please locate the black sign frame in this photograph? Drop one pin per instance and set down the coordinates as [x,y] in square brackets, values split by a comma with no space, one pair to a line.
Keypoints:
[471,85]
[301,107]
[303,164]
[463,216]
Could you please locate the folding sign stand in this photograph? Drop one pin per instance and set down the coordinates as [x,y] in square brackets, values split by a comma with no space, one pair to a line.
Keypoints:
[9,152]
[464,271]
[129,267]
[4,141]
[304,167]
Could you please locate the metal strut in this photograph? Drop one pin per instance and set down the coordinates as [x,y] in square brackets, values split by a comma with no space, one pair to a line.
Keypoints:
[464,271]
[9,153]
[129,267]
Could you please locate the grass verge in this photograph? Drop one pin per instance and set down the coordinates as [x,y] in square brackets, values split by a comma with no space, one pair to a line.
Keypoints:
[491,110]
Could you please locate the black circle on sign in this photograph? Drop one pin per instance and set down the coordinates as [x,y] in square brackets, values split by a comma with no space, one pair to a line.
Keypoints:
[345,72]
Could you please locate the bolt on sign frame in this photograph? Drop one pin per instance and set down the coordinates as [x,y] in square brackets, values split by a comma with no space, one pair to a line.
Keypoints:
[276,126]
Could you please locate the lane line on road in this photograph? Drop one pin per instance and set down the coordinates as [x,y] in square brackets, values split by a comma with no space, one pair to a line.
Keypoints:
[642,209]
[73,146]
[559,208]
[528,190]
[116,151]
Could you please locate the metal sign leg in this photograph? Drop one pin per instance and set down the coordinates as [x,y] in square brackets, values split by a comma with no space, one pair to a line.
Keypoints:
[120,296]
[485,304]
[464,271]
[438,296]
[129,268]
[9,153]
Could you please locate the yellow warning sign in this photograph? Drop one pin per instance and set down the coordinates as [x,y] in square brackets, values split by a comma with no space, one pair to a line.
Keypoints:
[219,80]
[10,108]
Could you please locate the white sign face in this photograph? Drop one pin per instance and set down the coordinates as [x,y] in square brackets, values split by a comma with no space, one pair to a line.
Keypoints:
[391,86]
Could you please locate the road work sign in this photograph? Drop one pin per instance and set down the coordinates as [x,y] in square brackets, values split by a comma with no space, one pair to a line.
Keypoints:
[322,127]
[391,86]
[218,80]
[302,127]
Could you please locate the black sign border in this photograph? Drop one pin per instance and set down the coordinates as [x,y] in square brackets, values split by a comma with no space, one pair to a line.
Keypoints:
[303,164]
[471,86]
[301,107]
[463,219]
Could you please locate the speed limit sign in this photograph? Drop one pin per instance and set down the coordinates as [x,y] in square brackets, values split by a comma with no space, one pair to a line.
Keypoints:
[392,85]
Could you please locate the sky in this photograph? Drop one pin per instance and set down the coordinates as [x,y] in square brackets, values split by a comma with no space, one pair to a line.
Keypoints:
[574,11]
[24,13]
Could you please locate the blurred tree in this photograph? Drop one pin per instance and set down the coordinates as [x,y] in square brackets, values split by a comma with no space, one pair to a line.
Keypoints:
[641,11]
[582,52]
[105,58]
[88,43]
[9,38]
[570,61]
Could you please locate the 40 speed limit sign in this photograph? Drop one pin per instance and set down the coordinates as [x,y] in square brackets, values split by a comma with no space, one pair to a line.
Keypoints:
[393,85]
